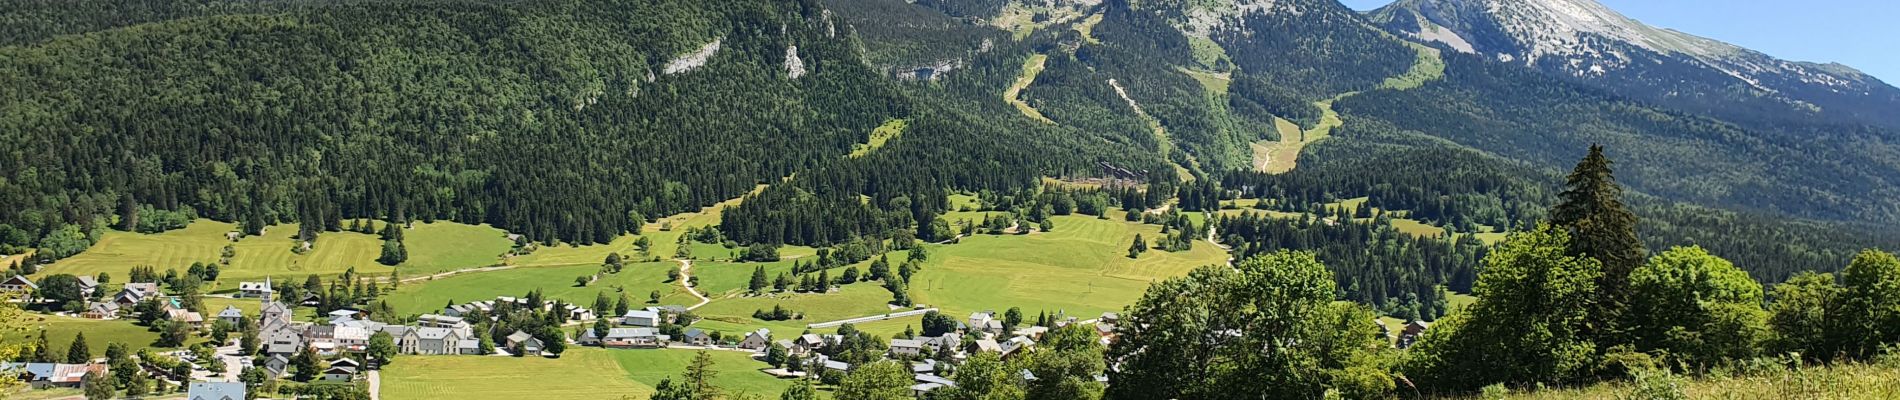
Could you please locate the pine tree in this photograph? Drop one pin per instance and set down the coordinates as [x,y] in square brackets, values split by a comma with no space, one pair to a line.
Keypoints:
[1140,246]
[758,280]
[1600,227]
[43,351]
[79,353]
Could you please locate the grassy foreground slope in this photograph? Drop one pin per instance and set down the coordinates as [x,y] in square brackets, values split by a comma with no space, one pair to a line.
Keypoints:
[1841,382]
[581,373]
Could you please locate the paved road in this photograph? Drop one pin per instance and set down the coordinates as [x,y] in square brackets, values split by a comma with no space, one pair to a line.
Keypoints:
[822,325]
[375,385]
[686,279]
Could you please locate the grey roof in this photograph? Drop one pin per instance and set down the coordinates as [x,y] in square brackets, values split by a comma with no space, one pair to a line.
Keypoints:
[929,378]
[281,348]
[626,333]
[468,344]
[907,343]
[24,281]
[88,281]
[642,314]
[695,333]
[433,333]
[216,391]
[519,336]
[231,312]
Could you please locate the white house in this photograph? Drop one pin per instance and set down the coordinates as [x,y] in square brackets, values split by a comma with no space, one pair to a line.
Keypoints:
[255,290]
[643,318]
[756,340]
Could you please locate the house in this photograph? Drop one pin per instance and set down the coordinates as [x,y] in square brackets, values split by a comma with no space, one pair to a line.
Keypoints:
[627,338]
[696,337]
[436,340]
[253,290]
[928,366]
[215,391]
[351,338]
[988,346]
[906,347]
[88,285]
[1033,332]
[46,375]
[948,340]
[132,293]
[1015,344]
[470,347]
[310,300]
[527,343]
[929,382]
[231,314]
[102,310]
[188,317]
[341,370]
[18,284]
[811,341]
[441,321]
[756,340]
[986,321]
[1412,332]
[277,364]
[645,318]
[345,313]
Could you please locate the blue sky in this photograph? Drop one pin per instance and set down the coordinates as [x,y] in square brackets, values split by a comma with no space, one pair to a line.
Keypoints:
[1864,34]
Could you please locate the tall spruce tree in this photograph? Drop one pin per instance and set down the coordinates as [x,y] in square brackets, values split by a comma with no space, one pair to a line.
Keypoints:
[1591,211]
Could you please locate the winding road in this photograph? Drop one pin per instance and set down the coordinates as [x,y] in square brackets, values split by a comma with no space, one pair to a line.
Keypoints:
[686,280]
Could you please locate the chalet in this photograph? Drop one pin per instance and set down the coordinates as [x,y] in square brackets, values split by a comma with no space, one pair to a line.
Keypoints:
[526,343]
[102,310]
[215,391]
[988,346]
[948,340]
[310,300]
[1015,344]
[644,318]
[696,337]
[133,293]
[627,338]
[906,347]
[254,290]
[1110,318]
[277,364]
[88,285]
[342,370]
[811,341]
[18,284]
[231,314]
[756,340]
[188,317]
[1032,332]
[1413,330]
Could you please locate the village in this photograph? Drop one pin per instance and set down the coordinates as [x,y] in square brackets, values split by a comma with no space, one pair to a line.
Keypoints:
[346,346]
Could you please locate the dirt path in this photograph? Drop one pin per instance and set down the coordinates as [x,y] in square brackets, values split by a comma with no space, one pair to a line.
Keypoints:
[686,280]
[459,272]
[895,315]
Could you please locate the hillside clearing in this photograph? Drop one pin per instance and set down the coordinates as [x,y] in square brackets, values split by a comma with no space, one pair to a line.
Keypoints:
[1031,68]
[203,241]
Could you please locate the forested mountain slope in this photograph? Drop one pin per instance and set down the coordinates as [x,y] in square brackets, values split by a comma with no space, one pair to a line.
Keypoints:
[555,119]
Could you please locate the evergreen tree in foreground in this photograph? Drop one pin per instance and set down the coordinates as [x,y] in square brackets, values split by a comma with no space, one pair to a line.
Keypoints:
[1591,211]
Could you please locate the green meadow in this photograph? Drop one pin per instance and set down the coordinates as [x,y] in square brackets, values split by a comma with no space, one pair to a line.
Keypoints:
[1081,268]
[446,246]
[203,241]
[637,280]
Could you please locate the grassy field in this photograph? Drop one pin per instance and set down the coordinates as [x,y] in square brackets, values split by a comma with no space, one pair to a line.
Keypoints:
[638,280]
[1214,82]
[446,246]
[665,242]
[1081,268]
[202,241]
[734,313]
[1843,382]
[99,333]
[883,134]
[1428,67]
[581,373]
[737,372]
